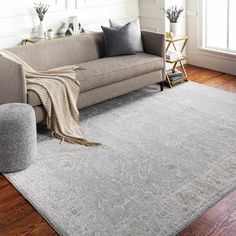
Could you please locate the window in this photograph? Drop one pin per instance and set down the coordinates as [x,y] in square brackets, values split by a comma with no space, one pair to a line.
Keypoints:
[219,20]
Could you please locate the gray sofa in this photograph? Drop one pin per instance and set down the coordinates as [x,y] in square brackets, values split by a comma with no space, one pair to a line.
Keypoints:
[103,78]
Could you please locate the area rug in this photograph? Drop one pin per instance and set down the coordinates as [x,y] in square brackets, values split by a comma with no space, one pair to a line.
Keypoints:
[166,158]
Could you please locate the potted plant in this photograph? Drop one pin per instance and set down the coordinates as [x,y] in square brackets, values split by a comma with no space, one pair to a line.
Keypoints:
[173,13]
[50,33]
[41,10]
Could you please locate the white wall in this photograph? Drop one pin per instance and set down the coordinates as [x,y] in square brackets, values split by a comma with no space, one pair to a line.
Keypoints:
[153,19]
[18,19]
[196,56]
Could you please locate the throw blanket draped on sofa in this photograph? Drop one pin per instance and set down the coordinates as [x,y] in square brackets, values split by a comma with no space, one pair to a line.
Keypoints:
[59,91]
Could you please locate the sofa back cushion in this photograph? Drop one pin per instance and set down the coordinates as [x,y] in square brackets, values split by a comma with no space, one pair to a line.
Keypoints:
[62,52]
[118,41]
[135,33]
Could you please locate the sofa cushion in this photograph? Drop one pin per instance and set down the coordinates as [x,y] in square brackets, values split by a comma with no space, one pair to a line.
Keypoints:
[134,31]
[106,71]
[118,41]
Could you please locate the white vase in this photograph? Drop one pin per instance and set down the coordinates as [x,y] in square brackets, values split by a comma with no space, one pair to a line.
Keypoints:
[174,28]
[41,30]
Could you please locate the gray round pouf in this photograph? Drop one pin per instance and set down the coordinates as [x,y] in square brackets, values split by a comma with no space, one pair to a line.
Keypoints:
[18,139]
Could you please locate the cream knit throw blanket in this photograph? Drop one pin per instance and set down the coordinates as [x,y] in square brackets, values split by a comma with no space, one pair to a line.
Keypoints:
[58,90]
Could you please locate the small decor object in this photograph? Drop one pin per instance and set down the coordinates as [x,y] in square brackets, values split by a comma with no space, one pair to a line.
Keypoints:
[175,75]
[174,28]
[169,35]
[62,30]
[75,22]
[81,29]
[173,55]
[41,10]
[18,137]
[41,30]
[50,34]
[70,31]
[173,13]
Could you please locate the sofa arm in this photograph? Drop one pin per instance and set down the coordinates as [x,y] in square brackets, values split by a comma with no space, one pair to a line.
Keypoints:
[154,43]
[12,82]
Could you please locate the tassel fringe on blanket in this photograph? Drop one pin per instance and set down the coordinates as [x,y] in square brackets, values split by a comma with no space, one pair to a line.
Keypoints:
[59,91]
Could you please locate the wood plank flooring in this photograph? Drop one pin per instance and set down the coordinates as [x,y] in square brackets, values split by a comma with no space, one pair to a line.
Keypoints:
[212,78]
[18,217]
[220,220]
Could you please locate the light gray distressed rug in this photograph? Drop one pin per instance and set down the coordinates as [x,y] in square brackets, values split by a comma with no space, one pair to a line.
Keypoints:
[167,157]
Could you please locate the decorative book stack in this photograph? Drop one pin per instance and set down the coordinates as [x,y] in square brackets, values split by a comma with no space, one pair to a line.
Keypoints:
[173,55]
[176,75]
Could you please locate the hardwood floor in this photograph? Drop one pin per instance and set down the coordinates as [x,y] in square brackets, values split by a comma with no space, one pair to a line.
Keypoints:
[18,217]
[212,78]
[218,221]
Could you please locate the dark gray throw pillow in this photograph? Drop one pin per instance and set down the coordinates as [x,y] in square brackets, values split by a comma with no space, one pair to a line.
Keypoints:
[135,33]
[118,41]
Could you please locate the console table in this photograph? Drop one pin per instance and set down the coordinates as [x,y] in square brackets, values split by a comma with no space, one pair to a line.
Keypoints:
[172,42]
[37,40]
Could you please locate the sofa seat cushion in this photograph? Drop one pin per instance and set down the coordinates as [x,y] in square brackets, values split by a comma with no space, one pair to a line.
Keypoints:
[110,70]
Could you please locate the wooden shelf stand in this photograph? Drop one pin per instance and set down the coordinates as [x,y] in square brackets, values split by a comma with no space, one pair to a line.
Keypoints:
[172,42]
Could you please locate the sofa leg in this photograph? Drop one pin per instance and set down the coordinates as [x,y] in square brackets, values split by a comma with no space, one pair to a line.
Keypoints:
[162,85]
